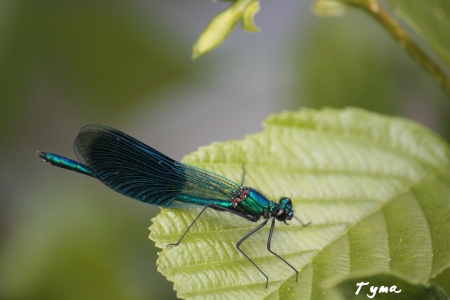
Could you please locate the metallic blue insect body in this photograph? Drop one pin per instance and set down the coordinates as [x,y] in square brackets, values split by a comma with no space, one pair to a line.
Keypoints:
[140,172]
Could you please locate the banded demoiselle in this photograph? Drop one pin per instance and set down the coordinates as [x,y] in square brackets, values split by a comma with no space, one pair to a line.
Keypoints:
[140,172]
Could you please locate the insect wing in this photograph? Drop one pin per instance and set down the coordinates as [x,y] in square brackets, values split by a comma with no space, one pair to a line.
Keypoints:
[140,172]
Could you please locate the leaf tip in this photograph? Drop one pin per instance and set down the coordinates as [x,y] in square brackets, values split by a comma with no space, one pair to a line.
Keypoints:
[329,8]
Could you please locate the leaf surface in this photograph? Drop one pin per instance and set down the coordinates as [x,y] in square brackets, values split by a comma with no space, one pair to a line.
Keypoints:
[376,189]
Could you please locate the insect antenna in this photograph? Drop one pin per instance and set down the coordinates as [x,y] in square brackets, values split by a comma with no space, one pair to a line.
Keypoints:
[304,225]
[243,174]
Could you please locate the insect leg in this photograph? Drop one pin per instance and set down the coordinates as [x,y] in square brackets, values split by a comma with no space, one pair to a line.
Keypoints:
[189,227]
[216,207]
[243,239]
[220,208]
[243,174]
[269,240]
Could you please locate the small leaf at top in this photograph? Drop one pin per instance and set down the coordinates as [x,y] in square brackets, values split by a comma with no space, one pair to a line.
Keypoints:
[222,25]
[329,8]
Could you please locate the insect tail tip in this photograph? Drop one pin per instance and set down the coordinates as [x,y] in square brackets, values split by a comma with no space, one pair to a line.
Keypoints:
[41,154]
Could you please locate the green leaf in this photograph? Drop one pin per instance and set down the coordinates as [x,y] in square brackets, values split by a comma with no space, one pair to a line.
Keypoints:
[222,25]
[329,8]
[376,189]
[249,13]
[332,8]
[430,19]
[381,286]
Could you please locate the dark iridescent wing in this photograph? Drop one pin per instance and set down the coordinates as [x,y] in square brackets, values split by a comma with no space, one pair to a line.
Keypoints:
[142,173]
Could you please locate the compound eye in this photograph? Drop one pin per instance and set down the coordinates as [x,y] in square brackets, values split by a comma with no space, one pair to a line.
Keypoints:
[286,199]
[290,215]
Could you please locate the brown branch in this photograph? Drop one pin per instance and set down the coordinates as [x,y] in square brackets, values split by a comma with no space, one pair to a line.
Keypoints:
[372,7]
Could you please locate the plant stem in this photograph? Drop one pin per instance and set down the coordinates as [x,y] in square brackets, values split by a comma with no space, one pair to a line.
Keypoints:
[405,41]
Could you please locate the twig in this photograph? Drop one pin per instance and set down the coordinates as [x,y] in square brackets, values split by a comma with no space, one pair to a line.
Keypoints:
[405,41]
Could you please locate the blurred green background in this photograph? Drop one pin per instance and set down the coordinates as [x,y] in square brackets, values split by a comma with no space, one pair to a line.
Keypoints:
[127,64]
